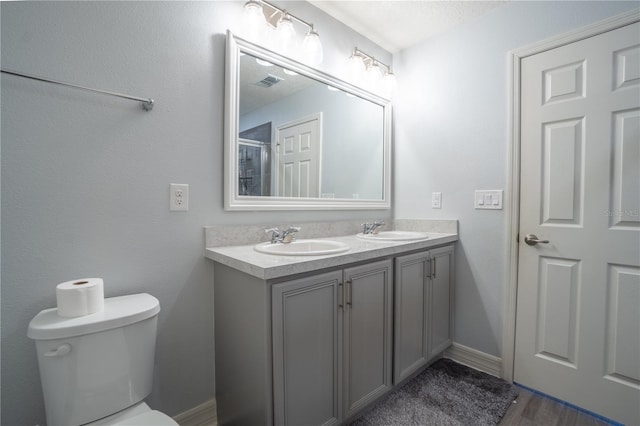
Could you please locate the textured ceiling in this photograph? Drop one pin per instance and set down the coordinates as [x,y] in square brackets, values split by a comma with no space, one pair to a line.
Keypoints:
[254,95]
[398,24]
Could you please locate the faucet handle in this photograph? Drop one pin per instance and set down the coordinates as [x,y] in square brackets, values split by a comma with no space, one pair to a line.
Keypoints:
[287,234]
[372,228]
[275,234]
[274,230]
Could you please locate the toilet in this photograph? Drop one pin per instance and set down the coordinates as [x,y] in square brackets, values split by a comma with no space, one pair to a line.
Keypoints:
[97,369]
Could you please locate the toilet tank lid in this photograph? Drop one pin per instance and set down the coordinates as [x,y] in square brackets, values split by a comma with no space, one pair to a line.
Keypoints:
[118,312]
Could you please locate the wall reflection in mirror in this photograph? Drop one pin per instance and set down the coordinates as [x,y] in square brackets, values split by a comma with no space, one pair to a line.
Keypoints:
[299,137]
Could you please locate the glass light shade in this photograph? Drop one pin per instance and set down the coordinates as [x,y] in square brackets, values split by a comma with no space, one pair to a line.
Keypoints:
[356,68]
[286,36]
[253,20]
[374,75]
[389,83]
[263,62]
[312,48]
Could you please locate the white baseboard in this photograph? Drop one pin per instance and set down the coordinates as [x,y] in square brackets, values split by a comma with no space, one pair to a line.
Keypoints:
[475,359]
[202,415]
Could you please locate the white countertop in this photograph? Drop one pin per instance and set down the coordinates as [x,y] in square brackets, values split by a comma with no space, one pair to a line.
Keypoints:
[267,266]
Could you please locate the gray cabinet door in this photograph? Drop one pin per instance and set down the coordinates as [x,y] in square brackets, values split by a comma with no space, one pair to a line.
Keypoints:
[367,334]
[440,300]
[410,325]
[307,336]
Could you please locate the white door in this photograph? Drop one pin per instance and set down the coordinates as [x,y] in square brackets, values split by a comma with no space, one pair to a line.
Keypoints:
[578,302]
[299,158]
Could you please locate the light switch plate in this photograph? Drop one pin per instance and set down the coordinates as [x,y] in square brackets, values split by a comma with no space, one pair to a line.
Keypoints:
[488,199]
[436,200]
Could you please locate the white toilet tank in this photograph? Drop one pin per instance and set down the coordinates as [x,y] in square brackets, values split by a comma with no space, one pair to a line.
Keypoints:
[95,365]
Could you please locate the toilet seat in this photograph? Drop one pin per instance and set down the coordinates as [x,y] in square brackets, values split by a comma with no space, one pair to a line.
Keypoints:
[137,415]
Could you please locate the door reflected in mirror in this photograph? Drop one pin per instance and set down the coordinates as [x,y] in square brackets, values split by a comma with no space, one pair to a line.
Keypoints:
[304,136]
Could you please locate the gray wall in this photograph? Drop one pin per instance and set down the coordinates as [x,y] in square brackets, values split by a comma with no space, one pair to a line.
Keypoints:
[85,178]
[451,135]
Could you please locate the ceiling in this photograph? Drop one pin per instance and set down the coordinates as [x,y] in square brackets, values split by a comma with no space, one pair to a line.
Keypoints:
[253,93]
[398,24]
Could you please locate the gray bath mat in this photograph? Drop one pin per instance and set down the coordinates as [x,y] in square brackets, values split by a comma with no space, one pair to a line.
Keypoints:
[445,394]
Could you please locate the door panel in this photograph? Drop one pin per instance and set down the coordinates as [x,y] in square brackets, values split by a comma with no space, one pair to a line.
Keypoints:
[306,350]
[562,172]
[578,294]
[411,302]
[440,296]
[299,150]
[622,325]
[367,334]
[556,337]
[625,198]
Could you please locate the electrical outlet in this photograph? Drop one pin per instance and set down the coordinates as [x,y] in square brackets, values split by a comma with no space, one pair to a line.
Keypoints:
[178,197]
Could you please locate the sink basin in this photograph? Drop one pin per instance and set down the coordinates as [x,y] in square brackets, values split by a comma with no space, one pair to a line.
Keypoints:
[394,236]
[303,248]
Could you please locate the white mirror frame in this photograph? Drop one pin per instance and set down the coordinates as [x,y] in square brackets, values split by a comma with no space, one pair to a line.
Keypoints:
[233,201]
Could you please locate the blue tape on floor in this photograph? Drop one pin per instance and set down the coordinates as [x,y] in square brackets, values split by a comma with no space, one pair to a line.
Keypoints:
[575,407]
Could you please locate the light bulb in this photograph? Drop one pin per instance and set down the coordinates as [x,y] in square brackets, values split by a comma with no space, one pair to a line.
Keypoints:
[286,35]
[312,48]
[253,19]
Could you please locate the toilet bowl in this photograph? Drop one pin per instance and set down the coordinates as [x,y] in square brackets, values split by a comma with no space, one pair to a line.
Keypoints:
[97,369]
[137,415]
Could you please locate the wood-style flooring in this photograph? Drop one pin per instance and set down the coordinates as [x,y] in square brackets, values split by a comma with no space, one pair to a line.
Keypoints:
[531,409]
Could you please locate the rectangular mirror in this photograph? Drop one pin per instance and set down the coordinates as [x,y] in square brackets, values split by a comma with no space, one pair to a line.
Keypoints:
[299,139]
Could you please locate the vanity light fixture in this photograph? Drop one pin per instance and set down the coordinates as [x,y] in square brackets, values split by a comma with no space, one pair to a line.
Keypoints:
[368,68]
[262,19]
[286,35]
[253,20]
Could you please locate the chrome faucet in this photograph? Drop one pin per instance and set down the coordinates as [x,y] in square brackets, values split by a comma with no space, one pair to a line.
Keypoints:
[285,236]
[372,228]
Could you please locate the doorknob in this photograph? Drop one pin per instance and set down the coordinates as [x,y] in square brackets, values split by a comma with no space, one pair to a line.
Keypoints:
[532,240]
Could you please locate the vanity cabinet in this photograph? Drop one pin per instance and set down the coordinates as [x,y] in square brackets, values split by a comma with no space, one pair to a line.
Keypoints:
[423,315]
[316,347]
[332,344]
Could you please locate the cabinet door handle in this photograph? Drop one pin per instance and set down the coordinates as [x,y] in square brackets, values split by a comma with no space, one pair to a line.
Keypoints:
[433,262]
[428,268]
[348,298]
[340,295]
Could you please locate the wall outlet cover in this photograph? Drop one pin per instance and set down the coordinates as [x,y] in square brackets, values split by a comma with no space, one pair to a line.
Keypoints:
[178,197]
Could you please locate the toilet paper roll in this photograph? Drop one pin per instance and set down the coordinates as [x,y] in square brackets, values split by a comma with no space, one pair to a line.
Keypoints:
[80,297]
